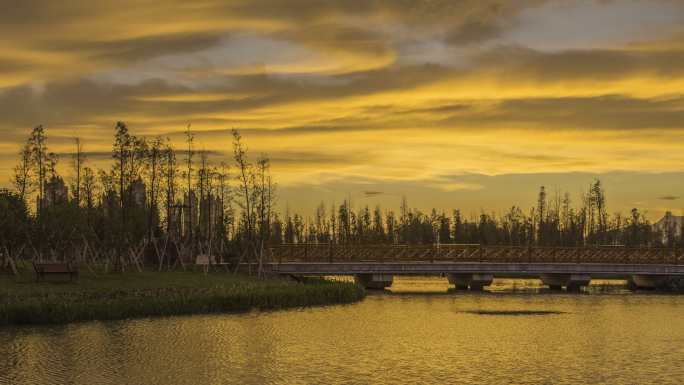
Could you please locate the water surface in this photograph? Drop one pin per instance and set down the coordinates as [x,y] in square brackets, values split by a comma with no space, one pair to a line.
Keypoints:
[489,338]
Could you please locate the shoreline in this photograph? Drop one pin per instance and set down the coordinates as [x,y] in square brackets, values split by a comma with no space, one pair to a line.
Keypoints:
[131,295]
[116,296]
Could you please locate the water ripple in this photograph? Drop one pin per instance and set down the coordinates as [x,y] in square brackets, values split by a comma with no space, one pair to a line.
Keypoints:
[386,339]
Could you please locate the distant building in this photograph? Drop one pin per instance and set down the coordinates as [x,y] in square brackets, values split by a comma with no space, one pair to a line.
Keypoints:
[138,193]
[56,193]
[173,215]
[211,213]
[203,215]
[110,202]
[190,212]
[670,226]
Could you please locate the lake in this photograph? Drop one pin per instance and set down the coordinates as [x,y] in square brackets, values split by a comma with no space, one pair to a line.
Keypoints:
[419,333]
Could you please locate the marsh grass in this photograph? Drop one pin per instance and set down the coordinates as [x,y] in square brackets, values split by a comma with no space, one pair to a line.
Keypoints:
[120,296]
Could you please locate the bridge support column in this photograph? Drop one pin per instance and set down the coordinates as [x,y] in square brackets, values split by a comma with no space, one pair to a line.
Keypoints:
[571,282]
[475,281]
[374,281]
[647,281]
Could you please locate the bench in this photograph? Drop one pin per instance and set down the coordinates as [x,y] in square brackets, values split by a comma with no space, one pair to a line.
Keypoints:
[57,269]
[205,261]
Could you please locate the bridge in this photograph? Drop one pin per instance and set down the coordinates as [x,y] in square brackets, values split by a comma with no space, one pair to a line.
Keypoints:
[469,266]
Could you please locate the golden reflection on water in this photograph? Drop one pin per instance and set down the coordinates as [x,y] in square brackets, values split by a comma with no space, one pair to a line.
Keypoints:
[616,338]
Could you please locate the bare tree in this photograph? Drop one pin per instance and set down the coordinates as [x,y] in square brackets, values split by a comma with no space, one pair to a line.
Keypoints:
[244,177]
[154,155]
[190,138]
[170,174]
[265,196]
[541,213]
[121,154]
[23,176]
[203,175]
[225,196]
[38,144]
[78,159]
[270,201]
[599,199]
[88,187]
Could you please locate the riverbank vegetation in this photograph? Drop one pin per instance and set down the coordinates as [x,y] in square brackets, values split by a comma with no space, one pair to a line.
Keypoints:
[672,285]
[143,294]
[155,206]
[554,221]
[159,206]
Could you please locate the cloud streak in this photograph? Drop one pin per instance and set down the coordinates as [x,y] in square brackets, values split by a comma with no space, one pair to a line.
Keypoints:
[401,92]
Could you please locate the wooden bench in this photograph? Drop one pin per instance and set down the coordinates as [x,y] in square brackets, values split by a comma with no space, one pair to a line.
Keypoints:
[205,261]
[56,269]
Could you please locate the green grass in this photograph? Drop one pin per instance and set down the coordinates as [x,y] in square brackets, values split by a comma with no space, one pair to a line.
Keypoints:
[119,296]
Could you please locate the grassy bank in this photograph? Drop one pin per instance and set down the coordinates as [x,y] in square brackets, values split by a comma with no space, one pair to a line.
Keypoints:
[119,296]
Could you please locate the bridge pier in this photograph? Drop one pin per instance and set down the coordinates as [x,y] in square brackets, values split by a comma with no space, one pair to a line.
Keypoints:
[642,281]
[571,282]
[475,282]
[374,281]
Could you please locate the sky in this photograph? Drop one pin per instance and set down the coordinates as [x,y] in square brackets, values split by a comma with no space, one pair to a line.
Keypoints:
[468,104]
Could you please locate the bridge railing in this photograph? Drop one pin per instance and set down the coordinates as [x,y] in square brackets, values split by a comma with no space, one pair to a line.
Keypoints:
[332,253]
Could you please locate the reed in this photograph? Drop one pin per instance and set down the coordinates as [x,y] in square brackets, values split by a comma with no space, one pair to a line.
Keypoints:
[121,296]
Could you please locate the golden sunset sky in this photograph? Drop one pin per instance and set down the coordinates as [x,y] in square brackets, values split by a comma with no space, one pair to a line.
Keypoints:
[454,104]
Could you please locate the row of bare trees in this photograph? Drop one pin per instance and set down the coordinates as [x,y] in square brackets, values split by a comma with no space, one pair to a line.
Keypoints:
[159,204]
[552,222]
[155,203]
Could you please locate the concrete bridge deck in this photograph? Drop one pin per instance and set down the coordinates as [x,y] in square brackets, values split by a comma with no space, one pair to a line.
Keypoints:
[475,266]
[500,270]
